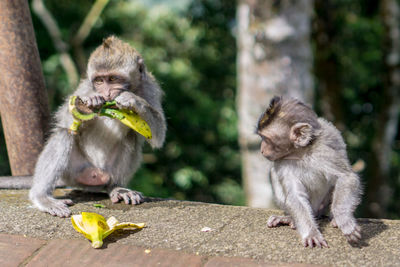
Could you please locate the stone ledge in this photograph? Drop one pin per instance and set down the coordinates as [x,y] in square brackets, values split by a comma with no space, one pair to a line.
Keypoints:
[238,236]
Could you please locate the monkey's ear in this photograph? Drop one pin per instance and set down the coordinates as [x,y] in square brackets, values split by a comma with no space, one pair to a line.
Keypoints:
[142,68]
[301,134]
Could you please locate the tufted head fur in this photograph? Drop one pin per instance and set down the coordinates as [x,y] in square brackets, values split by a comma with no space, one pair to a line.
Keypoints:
[115,54]
[289,110]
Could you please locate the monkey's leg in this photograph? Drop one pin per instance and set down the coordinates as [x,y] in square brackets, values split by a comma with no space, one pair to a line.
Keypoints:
[345,201]
[51,166]
[126,160]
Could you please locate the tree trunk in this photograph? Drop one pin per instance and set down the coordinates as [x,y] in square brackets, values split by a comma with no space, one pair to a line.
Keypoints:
[23,100]
[378,192]
[274,58]
[326,62]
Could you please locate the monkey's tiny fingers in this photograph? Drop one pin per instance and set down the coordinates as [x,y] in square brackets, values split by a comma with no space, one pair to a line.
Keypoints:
[68,202]
[128,196]
[315,240]
[274,221]
[354,236]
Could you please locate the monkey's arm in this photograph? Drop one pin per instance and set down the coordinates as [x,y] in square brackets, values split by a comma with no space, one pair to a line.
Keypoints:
[152,114]
[346,197]
[279,195]
[51,165]
[298,205]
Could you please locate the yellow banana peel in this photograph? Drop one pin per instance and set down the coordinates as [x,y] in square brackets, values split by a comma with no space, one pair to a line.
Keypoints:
[95,227]
[131,119]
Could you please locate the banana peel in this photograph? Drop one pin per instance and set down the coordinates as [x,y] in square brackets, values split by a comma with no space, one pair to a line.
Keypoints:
[95,227]
[81,113]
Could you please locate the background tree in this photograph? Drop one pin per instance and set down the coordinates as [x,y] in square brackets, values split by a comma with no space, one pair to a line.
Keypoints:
[190,46]
[355,67]
[274,59]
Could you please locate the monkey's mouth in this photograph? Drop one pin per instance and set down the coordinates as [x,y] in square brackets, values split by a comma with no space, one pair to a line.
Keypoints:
[270,158]
[113,94]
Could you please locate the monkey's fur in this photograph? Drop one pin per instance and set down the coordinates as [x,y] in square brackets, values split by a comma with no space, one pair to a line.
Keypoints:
[105,153]
[310,170]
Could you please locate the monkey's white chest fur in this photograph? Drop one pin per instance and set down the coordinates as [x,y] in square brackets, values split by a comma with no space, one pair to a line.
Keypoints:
[304,179]
[109,135]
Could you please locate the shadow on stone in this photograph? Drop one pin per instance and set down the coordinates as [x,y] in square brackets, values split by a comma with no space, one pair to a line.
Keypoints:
[83,197]
[117,235]
[369,229]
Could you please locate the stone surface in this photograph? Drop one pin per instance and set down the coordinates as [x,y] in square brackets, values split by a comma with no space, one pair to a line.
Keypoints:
[236,232]
[80,253]
[15,250]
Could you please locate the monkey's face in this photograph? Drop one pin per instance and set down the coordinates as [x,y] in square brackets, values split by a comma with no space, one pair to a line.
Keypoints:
[275,145]
[110,85]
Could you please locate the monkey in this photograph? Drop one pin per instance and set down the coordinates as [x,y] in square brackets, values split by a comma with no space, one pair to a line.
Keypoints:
[104,154]
[310,171]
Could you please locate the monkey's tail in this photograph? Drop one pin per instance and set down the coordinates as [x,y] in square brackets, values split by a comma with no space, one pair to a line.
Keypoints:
[20,182]
[15,182]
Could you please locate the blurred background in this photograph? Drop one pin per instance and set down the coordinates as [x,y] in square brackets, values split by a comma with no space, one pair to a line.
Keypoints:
[219,62]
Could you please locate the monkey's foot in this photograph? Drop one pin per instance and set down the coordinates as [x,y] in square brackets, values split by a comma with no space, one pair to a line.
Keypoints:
[127,195]
[56,207]
[315,239]
[275,220]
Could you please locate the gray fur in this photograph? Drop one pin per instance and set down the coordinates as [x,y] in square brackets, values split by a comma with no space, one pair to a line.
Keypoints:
[103,143]
[319,175]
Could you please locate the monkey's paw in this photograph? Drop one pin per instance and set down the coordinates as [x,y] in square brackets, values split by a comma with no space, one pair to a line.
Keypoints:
[127,195]
[355,235]
[315,239]
[93,102]
[56,207]
[350,229]
[274,221]
[129,101]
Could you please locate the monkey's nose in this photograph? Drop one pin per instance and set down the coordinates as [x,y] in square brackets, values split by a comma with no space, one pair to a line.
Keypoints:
[107,97]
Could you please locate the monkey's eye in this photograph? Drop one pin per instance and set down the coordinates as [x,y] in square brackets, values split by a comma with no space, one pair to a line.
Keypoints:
[266,139]
[112,78]
[98,80]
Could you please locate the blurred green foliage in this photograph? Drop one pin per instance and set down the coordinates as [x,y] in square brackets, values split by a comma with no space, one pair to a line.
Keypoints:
[190,47]
[192,52]
[356,47]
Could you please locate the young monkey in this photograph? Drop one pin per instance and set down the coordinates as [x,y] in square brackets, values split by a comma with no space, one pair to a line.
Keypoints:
[310,171]
[105,153]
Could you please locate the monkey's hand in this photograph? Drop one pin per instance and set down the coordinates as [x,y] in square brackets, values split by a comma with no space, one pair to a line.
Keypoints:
[275,220]
[130,101]
[93,102]
[128,196]
[350,229]
[56,207]
[314,239]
